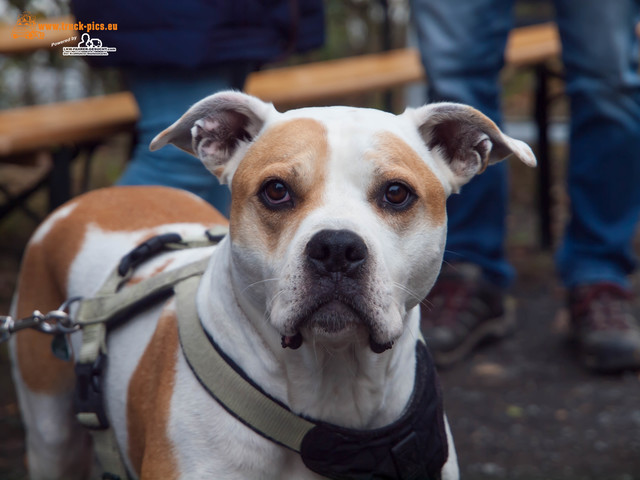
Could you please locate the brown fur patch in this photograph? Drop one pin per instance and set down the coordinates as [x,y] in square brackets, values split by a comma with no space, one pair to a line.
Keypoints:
[43,278]
[396,160]
[149,403]
[295,152]
[39,369]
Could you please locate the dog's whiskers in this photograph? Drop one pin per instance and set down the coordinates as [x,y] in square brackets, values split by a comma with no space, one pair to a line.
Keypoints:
[251,285]
[427,303]
[422,301]
[451,252]
[268,307]
[407,290]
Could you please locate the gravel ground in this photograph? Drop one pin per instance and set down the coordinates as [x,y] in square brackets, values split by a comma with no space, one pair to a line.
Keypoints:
[525,409]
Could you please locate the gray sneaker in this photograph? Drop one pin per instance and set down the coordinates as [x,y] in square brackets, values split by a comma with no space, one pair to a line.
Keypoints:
[462,311]
[603,327]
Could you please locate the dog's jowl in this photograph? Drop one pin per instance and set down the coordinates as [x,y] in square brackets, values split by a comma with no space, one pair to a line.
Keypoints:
[292,347]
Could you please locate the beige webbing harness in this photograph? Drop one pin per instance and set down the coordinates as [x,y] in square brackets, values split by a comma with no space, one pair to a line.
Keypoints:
[237,394]
[403,450]
[114,301]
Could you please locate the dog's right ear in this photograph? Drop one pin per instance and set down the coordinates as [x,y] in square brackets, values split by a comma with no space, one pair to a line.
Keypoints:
[215,128]
[465,140]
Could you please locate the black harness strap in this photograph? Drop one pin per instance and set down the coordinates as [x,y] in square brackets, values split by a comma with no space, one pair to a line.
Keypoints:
[412,448]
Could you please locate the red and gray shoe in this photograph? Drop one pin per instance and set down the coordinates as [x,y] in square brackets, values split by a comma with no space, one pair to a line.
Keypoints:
[462,311]
[603,327]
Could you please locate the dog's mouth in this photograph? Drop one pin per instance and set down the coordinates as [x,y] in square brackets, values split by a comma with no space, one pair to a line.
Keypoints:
[330,317]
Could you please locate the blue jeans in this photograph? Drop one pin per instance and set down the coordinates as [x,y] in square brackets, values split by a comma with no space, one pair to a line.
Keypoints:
[163,95]
[462,45]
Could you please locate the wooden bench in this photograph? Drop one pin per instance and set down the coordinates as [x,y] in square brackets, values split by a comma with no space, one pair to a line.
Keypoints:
[57,128]
[50,127]
[334,79]
[321,82]
[43,139]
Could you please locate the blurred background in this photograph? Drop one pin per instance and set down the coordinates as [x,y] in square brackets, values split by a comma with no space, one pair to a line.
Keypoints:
[523,409]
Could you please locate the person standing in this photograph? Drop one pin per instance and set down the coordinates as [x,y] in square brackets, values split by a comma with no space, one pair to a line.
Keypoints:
[462,46]
[173,54]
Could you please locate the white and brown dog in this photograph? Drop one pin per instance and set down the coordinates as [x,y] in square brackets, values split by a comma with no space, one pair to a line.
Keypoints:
[337,231]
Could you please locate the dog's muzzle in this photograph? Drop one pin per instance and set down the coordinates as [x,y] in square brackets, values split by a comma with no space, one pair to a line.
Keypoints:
[337,264]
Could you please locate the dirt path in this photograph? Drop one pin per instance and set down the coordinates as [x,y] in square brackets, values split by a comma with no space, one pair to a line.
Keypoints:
[524,409]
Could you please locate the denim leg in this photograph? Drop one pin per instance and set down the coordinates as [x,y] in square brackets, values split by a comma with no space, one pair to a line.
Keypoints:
[163,96]
[600,54]
[462,50]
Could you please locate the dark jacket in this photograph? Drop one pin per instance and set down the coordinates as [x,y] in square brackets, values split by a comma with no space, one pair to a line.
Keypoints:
[195,33]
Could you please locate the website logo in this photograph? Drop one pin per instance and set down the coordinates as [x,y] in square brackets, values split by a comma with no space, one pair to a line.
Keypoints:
[88,47]
[26,27]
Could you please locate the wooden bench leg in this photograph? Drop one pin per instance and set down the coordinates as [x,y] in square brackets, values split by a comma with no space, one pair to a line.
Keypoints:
[88,152]
[544,168]
[60,179]
[18,201]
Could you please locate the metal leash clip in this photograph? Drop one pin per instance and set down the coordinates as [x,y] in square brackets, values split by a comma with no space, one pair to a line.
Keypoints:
[54,322]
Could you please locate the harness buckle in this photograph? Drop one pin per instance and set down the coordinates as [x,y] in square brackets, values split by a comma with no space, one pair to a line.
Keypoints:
[88,399]
[146,250]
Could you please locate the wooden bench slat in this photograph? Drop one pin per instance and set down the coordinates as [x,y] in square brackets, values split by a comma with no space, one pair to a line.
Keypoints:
[531,45]
[39,127]
[330,79]
[321,81]
[30,129]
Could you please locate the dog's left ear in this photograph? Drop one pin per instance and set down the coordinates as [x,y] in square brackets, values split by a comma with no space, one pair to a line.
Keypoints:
[466,140]
[215,128]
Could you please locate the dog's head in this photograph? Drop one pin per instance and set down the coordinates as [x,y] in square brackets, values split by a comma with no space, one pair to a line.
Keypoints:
[338,217]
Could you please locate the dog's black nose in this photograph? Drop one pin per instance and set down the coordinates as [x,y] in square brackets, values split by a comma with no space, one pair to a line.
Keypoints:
[336,251]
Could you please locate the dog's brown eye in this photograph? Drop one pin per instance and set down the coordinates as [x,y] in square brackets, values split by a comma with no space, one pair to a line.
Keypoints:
[275,193]
[397,195]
